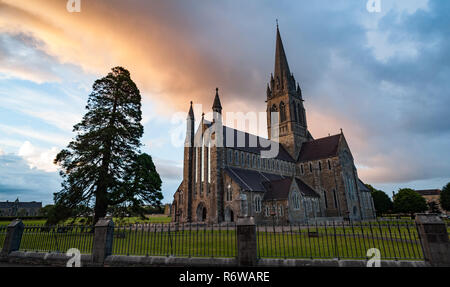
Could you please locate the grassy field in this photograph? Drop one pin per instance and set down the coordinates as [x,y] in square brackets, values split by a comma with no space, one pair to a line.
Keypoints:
[156,240]
[394,240]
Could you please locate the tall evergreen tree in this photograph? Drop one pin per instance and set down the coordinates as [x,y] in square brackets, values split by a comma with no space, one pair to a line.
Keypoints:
[444,198]
[97,163]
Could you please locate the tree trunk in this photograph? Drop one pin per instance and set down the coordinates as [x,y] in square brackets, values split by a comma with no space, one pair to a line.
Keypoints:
[101,194]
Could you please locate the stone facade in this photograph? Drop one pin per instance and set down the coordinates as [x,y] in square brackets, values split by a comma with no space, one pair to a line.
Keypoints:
[226,174]
[17,208]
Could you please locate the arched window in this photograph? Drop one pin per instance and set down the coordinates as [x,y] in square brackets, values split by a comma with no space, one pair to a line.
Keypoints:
[296,200]
[295,111]
[257,203]
[299,111]
[320,166]
[236,156]
[282,112]
[242,159]
[329,164]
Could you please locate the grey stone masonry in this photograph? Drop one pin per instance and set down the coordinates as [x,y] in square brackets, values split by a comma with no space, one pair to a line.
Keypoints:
[103,240]
[246,241]
[434,237]
[13,237]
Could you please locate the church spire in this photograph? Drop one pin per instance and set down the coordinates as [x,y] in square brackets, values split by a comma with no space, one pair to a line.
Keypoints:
[217,106]
[282,73]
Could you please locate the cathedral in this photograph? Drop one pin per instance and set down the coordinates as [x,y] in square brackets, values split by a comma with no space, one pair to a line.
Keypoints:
[229,173]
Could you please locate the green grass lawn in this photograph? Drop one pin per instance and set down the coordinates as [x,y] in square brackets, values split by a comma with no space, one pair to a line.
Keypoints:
[342,242]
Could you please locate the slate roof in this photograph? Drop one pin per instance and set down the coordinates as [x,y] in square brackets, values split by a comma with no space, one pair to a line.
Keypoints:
[274,186]
[319,148]
[362,186]
[11,204]
[429,192]
[247,142]
[277,189]
[251,180]
[306,189]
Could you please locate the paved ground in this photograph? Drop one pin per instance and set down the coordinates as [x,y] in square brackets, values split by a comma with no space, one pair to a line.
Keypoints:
[5,264]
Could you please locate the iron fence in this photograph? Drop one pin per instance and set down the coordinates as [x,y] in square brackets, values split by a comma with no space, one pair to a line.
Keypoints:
[41,238]
[396,240]
[3,229]
[182,240]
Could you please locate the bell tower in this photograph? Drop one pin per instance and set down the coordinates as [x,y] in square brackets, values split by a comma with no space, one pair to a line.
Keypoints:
[285,102]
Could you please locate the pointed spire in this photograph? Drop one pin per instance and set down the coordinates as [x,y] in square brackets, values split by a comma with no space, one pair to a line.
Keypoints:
[191,112]
[217,107]
[282,72]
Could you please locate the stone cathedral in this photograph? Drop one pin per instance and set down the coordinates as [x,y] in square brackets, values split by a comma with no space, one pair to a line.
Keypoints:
[307,180]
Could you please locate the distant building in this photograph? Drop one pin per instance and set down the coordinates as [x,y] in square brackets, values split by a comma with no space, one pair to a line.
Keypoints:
[17,208]
[431,195]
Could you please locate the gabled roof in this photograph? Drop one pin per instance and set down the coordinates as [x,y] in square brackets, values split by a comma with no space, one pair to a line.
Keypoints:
[306,189]
[250,180]
[247,142]
[319,148]
[277,189]
[429,192]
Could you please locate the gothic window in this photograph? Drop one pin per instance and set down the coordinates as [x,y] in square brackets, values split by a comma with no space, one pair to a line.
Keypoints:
[257,202]
[325,198]
[282,112]
[202,162]
[196,164]
[267,211]
[295,111]
[280,210]
[310,167]
[242,159]
[335,198]
[229,193]
[248,161]
[236,157]
[320,166]
[296,200]
[300,119]
[209,163]
[329,164]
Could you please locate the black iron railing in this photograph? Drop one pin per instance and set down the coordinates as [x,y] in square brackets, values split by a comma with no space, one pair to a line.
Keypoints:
[182,240]
[3,229]
[396,240]
[41,238]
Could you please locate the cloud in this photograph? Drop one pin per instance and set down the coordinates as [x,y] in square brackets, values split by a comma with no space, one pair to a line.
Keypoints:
[38,158]
[383,77]
[168,169]
[18,180]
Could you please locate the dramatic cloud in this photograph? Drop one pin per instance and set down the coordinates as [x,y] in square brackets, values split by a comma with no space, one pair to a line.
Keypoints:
[17,180]
[382,77]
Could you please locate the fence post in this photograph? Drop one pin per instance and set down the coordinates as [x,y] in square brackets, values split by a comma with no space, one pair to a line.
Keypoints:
[434,238]
[246,241]
[103,240]
[13,237]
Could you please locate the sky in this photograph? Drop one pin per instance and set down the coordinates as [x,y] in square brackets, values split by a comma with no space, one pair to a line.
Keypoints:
[380,76]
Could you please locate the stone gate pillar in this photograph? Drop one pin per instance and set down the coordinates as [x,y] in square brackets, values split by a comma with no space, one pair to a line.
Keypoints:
[13,237]
[434,238]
